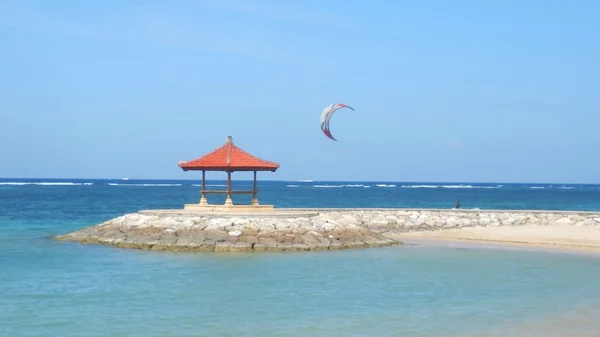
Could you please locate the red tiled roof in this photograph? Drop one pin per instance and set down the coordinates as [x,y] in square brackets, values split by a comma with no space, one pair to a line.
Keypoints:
[229,157]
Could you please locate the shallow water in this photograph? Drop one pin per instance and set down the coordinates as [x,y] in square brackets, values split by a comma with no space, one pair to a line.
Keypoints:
[67,289]
[54,288]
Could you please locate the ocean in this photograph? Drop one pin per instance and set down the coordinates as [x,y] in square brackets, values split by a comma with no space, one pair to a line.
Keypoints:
[50,288]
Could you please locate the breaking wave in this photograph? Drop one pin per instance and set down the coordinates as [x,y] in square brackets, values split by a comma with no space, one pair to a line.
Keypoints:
[143,185]
[11,183]
[450,186]
[337,186]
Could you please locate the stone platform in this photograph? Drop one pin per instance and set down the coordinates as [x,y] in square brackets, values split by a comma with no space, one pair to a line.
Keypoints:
[230,208]
[209,212]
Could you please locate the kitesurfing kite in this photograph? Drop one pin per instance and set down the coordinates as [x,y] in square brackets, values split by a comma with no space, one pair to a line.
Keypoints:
[326,117]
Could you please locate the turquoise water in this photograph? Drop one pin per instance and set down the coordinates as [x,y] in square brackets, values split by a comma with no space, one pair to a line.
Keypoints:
[53,288]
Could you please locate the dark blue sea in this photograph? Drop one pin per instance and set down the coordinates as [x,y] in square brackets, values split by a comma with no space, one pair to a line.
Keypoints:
[50,288]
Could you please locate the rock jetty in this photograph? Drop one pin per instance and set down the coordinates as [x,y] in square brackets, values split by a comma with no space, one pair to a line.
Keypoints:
[300,229]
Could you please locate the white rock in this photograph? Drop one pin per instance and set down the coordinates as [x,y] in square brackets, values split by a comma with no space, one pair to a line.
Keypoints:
[239,221]
[377,223]
[324,225]
[132,217]
[170,222]
[212,228]
[234,233]
[219,222]
[452,221]
[265,229]
[349,219]
[392,220]
[563,221]
[466,222]
[187,223]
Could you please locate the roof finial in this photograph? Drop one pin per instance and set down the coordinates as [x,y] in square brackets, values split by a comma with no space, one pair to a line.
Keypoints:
[229,139]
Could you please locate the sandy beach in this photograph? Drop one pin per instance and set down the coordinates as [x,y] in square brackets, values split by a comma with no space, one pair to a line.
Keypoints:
[562,237]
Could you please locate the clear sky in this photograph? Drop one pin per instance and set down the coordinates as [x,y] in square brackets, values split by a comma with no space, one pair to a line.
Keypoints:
[501,91]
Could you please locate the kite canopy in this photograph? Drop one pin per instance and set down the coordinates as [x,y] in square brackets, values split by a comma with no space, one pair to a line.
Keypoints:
[326,117]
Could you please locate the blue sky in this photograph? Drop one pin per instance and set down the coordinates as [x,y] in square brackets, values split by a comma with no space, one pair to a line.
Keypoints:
[503,91]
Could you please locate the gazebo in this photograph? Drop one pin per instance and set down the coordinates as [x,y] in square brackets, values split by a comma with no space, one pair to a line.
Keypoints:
[229,158]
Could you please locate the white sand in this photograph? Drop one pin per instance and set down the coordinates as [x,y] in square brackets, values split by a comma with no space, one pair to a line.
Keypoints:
[550,236]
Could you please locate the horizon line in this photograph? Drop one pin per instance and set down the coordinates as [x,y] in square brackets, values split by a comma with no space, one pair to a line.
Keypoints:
[311,180]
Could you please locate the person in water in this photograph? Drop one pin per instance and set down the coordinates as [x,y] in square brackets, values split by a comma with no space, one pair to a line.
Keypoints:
[457,204]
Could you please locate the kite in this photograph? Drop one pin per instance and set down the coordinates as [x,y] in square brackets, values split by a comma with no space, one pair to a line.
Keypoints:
[326,117]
